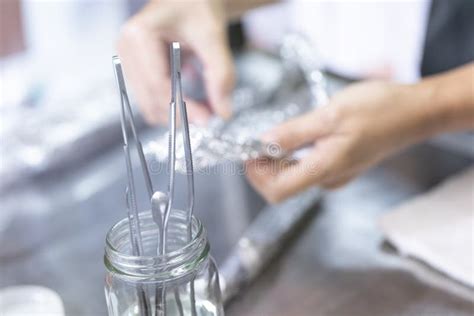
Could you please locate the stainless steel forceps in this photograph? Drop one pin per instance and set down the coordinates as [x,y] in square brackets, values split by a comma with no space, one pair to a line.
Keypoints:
[127,123]
[177,97]
[161,203]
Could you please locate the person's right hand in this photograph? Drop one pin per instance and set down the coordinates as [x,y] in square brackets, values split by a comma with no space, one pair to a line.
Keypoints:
[200,27]
[360,126]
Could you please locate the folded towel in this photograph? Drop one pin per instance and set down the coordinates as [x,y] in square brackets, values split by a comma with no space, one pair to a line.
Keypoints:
[438,227]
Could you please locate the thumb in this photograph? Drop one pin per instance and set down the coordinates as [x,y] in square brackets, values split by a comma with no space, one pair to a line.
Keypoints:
[219,73]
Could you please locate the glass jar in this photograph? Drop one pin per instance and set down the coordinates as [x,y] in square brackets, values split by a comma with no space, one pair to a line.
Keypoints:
[184,281]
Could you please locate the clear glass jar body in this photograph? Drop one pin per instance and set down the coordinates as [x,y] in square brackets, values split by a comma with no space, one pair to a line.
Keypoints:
[184,281]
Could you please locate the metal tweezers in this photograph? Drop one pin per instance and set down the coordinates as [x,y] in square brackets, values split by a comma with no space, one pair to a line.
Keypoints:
[126,116]
[177,97]
[161,215]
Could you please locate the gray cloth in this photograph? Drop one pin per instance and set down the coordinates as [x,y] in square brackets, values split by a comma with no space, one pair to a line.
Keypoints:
[449,40]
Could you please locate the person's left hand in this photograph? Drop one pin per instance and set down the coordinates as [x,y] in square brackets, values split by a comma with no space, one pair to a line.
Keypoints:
[361,125]
[200,27]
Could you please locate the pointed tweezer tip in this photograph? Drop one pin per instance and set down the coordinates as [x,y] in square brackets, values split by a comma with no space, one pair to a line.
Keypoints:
[175,57]
[115,60]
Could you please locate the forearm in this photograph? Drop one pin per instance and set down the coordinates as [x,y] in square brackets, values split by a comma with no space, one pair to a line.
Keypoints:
[236,8]
[444,103]
[449,100]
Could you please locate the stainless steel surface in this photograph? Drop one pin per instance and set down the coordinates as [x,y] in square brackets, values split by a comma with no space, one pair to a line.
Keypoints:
[127,122]
[236,140]
[261,242]
[297,50]
[177,96]
[158,200]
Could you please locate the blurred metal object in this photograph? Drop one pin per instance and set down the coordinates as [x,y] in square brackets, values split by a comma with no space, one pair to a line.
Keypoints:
[126,119]
[159,202]
[238,139]
[298,50]
[177,97]
[46,138]
[262,241]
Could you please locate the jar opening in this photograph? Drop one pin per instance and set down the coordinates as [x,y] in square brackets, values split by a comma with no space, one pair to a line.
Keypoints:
[182,256]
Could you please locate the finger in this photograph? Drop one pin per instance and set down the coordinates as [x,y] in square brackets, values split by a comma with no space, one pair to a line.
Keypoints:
[197,113]
[259,174]
[132,76]
[299,131]
[337,183]
[145,64]
[307,172]
[153,113]
[219,75]
[278,180]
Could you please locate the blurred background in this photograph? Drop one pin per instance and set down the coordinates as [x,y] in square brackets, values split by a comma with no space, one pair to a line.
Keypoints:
[62,175]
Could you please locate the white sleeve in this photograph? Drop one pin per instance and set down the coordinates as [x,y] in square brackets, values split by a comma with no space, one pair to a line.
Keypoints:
[357,39]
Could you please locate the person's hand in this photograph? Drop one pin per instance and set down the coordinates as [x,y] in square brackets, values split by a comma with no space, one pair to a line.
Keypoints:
[200,27]
[359,127]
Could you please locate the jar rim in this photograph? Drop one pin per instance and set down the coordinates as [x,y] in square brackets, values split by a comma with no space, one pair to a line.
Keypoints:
[174,263]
